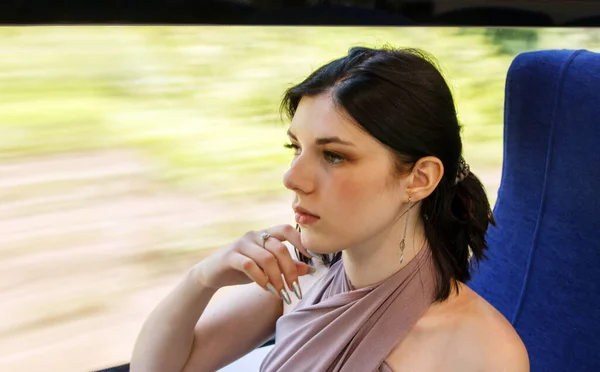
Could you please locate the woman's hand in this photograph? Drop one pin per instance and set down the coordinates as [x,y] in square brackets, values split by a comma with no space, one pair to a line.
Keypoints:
[250,259]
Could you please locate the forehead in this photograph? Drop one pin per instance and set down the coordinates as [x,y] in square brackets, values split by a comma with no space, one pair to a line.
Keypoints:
[318,116]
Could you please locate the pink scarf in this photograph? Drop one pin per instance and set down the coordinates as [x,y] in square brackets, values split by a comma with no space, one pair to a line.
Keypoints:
[335,328]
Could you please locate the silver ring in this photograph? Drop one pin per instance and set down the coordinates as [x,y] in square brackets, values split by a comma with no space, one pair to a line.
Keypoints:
[265,235]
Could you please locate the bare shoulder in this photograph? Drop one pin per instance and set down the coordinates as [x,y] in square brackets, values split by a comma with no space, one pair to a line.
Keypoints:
[500,347]
[464,333]
[485,336]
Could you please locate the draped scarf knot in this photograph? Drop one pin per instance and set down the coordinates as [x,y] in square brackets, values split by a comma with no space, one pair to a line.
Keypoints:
[336,328]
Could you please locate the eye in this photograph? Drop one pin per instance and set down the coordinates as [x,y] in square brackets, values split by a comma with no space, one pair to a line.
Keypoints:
[291,146]
[333,158]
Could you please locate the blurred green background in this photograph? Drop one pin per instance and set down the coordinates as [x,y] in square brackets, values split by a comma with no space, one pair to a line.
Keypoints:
[129,153]
[202,101]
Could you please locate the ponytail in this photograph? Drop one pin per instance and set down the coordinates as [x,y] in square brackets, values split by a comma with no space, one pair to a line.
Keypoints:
[456,218]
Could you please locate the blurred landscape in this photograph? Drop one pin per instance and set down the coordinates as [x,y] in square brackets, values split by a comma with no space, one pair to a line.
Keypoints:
[127,154]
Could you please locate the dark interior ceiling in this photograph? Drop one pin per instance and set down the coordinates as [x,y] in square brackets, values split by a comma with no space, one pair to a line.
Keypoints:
[536,13]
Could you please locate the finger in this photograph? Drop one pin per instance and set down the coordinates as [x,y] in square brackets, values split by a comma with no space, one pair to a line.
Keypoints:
[304,269]
[268,263]
[286,264]
[249,267]
[288,233]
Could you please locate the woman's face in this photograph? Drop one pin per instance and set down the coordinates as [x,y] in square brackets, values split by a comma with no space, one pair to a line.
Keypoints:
[341,175]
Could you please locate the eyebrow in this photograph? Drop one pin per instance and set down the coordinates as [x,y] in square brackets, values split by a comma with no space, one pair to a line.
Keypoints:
[324,140]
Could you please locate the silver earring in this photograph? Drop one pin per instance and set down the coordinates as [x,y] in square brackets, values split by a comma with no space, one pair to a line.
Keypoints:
[403,241]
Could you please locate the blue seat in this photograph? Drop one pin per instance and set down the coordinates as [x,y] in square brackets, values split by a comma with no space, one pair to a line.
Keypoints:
[543,271]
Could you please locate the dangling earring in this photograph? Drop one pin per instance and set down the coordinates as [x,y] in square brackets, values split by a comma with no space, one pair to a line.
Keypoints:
[403,241]
[298,228]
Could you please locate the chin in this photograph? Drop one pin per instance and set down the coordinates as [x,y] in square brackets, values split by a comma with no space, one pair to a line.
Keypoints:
[315,243]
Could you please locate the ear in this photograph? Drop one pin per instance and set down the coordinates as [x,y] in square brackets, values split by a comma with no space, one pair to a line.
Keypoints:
[425,176]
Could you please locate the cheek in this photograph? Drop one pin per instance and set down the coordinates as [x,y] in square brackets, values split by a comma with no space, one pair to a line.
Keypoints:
[355,190]
[347,189]
[368,192]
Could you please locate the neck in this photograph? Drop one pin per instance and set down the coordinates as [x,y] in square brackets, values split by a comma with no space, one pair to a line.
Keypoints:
[378,258]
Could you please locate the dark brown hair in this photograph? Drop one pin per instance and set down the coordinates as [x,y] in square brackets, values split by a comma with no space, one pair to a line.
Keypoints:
[400,98]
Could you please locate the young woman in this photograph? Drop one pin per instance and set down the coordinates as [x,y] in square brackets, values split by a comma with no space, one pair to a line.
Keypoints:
[389,219]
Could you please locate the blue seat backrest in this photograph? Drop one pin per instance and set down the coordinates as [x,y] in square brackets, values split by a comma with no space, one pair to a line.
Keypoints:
[543,267]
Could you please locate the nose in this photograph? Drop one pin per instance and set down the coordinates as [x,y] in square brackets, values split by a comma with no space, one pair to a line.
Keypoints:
[300,176]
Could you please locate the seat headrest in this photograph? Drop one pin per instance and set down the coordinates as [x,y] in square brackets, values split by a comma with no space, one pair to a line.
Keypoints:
[543,271]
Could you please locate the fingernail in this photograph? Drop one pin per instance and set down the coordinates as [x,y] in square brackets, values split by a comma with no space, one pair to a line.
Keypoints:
[296,289]
[286,296]
[272,289]
[311,269]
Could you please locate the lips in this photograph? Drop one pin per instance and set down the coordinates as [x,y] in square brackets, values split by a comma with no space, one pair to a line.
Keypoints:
[299,209]
[304,217]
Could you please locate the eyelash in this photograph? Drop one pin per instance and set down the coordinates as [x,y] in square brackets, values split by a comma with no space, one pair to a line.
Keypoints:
[328,154]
